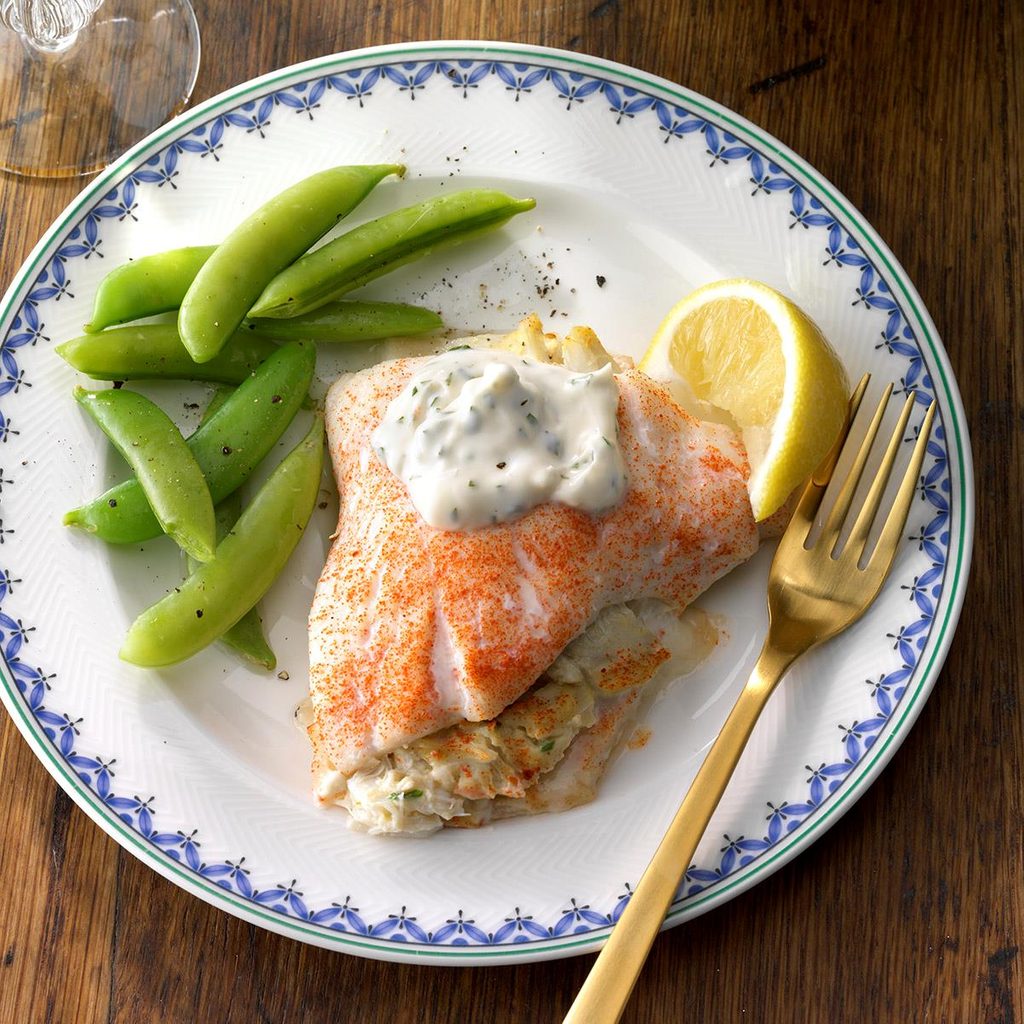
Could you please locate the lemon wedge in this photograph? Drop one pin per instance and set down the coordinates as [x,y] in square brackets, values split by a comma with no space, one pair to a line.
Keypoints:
[737,351]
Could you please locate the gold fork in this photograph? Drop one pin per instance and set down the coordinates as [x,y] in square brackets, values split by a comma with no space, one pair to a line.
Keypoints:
[817,587]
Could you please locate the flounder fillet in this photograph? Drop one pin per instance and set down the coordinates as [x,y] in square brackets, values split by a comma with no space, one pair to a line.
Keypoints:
[414,629]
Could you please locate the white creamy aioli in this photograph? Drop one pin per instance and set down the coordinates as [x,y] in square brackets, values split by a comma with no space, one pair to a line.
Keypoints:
[481,437]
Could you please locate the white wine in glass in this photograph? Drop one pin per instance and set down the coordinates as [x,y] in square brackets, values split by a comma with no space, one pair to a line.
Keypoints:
[82,80]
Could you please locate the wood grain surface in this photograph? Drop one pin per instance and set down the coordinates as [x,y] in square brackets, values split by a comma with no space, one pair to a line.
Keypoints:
[912,907]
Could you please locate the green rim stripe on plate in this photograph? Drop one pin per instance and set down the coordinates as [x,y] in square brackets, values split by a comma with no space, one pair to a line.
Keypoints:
[794,165]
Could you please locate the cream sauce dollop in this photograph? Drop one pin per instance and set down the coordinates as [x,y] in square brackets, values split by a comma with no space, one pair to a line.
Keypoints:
[480,437]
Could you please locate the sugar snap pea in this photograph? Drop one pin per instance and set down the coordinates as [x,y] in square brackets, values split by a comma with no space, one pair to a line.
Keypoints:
[146,286]
[352,321]
[280,231]
[246,636]
[227,448]
[382,245]
[217,399]
[247,562]
[158,283]
[155,352]
[166,470]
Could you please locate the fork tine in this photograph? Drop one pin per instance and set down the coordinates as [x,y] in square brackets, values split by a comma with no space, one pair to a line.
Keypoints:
[810,498]
[836,518]
[823,474]
[889,539]
[862,527]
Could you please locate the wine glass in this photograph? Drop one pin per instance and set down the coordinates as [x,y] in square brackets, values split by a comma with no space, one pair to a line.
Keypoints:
[81,80]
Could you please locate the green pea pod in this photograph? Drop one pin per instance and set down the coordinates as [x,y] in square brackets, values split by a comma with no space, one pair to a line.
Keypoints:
[155,352]
[278,233]
[217,400]
[246,636]
[146,286]
[382,245]
[247,562]
[352,321]
[166,470]
[227,448]
[158,283]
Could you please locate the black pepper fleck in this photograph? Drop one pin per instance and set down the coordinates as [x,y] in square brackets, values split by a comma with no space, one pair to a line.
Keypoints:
[199,613]
[275,400]
[112,502]
[601,280]
[226,449]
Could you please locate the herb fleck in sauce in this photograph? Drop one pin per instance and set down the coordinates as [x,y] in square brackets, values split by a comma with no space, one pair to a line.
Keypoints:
[481,437]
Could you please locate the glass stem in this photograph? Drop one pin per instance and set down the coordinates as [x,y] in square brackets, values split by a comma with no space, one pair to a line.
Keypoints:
[48,26]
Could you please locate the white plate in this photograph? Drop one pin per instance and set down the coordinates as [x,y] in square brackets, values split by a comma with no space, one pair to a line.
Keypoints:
[198,770]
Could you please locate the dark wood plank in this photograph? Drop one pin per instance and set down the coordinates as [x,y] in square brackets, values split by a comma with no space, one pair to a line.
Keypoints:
[912,907]
[56,921]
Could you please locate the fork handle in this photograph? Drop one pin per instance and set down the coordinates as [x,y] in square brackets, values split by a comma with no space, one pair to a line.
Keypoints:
[604,994]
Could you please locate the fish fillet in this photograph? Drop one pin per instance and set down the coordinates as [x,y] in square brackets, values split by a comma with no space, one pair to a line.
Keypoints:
[414,629]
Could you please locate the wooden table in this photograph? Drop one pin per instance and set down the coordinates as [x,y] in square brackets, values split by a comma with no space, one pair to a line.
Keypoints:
[912,907]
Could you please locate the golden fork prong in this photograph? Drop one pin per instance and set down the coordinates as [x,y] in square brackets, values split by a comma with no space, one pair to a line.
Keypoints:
[888,540]
[857,541]
[823,474]
[837,516]
[810,499]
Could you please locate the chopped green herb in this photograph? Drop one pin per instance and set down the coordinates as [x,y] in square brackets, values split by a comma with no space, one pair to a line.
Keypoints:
[532,419]
[471,483]
[413,794]
[606,441]
[415,391]
[546,746]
